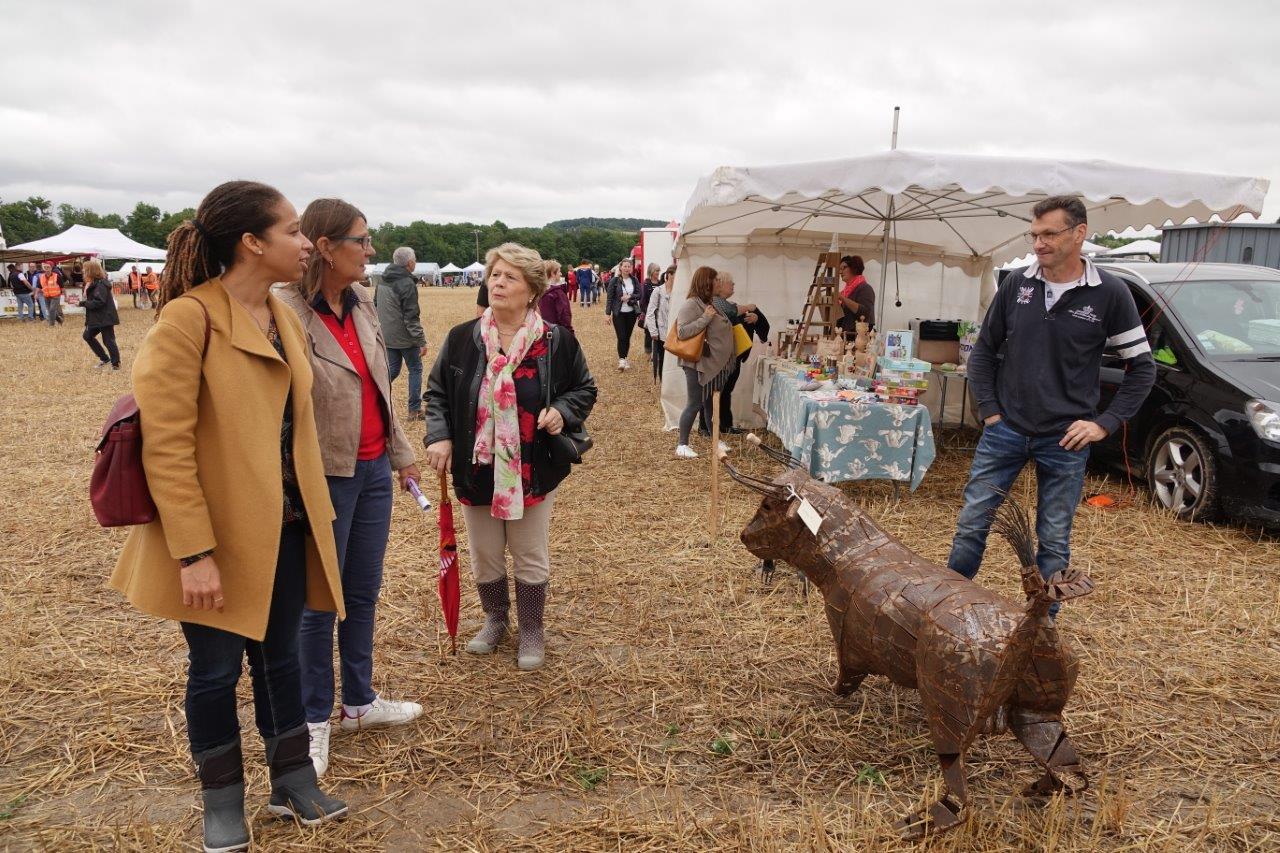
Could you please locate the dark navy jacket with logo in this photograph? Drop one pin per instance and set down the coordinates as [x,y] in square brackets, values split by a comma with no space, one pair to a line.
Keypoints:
[1039,370]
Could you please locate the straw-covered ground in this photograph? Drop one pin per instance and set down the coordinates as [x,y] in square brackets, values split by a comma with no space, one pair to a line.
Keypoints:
[684,704]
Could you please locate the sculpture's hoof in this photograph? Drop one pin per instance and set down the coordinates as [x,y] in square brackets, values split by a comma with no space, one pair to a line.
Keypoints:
[1049,784]
[940,817]
[844,688]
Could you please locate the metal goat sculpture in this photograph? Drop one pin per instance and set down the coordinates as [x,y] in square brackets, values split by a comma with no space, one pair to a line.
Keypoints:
[981,662]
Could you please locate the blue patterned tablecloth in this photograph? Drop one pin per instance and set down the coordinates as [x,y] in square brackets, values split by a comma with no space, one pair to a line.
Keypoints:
[838,440]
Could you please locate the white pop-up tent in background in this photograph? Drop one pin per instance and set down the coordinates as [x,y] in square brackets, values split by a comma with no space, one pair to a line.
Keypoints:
[931,228]
[103,243]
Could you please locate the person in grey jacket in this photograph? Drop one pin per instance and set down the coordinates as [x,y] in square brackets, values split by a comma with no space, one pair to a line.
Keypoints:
[708,373]
[401,321]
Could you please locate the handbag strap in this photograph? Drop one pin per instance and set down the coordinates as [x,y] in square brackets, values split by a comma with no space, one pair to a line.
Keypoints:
[551,338]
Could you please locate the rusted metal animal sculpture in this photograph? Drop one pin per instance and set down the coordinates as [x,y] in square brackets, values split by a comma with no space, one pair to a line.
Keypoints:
[981,662]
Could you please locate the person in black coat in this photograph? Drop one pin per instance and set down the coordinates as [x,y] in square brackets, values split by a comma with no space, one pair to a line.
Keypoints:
[489,422]
[100,317]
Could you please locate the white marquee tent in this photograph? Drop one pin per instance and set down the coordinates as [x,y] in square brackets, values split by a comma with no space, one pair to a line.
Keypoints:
[450,268]
[476,267]
[950,220]
[103,243]
[1136,248]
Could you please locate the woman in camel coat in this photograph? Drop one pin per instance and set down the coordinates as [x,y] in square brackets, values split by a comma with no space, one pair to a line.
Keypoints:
[244,533]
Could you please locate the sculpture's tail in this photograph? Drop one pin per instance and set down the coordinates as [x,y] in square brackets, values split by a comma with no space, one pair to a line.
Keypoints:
[1014,524]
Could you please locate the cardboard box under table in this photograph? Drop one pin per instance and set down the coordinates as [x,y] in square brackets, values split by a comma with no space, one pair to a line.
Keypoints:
[838,441]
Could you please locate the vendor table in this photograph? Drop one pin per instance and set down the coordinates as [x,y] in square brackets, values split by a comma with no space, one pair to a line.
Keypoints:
[836,440]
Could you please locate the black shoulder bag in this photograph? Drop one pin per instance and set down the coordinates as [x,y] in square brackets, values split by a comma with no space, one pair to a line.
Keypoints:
[570,445]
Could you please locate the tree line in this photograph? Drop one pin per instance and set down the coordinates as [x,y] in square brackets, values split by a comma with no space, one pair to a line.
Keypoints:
[593,239]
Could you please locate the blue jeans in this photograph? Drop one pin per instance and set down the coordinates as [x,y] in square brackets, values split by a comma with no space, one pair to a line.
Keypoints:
[413,359]
[26,300]
[1002,452]
[362,504]
[216,658]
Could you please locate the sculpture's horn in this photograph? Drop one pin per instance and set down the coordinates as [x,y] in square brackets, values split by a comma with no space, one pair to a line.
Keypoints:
[780,455]
[756,484]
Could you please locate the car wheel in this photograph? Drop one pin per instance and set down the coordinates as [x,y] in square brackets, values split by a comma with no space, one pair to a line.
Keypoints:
[1182,473]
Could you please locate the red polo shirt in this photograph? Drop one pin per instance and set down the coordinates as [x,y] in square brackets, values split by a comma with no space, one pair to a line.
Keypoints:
[373,424]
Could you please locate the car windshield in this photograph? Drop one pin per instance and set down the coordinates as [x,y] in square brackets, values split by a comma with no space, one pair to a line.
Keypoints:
[1229,319]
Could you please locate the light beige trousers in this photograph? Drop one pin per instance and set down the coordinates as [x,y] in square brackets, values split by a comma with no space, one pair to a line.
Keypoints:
[489,539]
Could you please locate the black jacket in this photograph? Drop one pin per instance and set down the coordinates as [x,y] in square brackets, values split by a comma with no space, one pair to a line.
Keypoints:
[453,390]
[1039,370]
[99,306]
[18,284]
[613,298]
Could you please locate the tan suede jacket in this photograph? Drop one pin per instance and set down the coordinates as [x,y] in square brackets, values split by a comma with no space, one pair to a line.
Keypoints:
[336,391]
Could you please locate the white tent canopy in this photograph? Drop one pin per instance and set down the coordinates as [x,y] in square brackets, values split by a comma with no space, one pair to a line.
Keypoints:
[953,217]
[476,267]
[1137,247]
[450,267]
[104,243]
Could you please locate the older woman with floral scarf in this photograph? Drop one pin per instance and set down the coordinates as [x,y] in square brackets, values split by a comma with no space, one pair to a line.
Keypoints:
[489,423]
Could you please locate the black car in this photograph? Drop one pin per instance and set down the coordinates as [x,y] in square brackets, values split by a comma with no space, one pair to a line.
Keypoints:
[1207,439]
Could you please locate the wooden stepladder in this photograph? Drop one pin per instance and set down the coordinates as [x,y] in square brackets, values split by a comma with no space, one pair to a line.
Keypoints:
[822,310]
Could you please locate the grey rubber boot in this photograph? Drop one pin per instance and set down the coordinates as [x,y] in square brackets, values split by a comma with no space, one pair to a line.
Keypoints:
[531,600]
[294,792]
[495,600]
[221,772]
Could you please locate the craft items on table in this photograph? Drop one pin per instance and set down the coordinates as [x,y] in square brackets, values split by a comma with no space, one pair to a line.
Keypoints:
[901,380]
[842,434]
[983,663]
[899,344]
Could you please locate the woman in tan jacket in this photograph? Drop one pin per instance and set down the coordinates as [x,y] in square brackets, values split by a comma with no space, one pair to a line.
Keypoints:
[244,533]
[361,442]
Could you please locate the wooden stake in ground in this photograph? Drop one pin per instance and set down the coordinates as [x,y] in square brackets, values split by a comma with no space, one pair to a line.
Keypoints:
[714,524]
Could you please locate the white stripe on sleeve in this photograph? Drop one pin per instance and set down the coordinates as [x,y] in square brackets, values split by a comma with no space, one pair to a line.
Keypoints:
[1136,349]
[1128,337]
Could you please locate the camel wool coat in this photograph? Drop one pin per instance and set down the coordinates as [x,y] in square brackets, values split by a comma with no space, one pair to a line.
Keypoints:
[211,452]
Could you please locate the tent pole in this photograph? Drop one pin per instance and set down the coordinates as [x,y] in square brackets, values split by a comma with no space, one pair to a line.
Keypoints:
[884,270]
[893,144]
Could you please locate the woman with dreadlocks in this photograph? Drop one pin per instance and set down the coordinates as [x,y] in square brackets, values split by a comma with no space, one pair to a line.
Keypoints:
[243,536]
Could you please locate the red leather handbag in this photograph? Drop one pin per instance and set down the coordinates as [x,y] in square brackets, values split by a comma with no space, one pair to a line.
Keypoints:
[118,487]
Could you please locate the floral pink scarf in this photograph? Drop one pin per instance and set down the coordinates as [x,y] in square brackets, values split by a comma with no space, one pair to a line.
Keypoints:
[497,419]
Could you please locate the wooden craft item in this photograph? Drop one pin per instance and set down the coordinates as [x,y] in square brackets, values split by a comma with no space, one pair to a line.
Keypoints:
[982,663]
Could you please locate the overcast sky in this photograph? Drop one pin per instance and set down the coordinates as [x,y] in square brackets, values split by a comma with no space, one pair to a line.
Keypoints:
[529,112]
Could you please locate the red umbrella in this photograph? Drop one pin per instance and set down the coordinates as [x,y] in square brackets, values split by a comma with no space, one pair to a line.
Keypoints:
[449,591]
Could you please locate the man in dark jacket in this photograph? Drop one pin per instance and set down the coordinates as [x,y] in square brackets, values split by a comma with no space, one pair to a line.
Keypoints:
[22,292]
[400,318]
[1035,374]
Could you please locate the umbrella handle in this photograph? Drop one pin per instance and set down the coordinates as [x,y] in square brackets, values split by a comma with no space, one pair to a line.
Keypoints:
[444,488]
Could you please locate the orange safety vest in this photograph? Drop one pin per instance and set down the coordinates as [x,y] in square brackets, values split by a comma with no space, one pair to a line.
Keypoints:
[49,284]
[152,281]
[135,281]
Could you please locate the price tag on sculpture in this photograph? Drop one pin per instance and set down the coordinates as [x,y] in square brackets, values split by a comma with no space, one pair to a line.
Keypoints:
[811,517]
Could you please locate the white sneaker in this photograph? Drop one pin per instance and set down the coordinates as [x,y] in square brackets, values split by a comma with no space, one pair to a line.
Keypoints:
[383,712]
[320,746]
[625,364]
[724,448]
[684,451]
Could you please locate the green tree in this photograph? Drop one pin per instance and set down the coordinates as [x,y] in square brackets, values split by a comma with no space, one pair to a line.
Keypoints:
[24,221]
[145,225]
